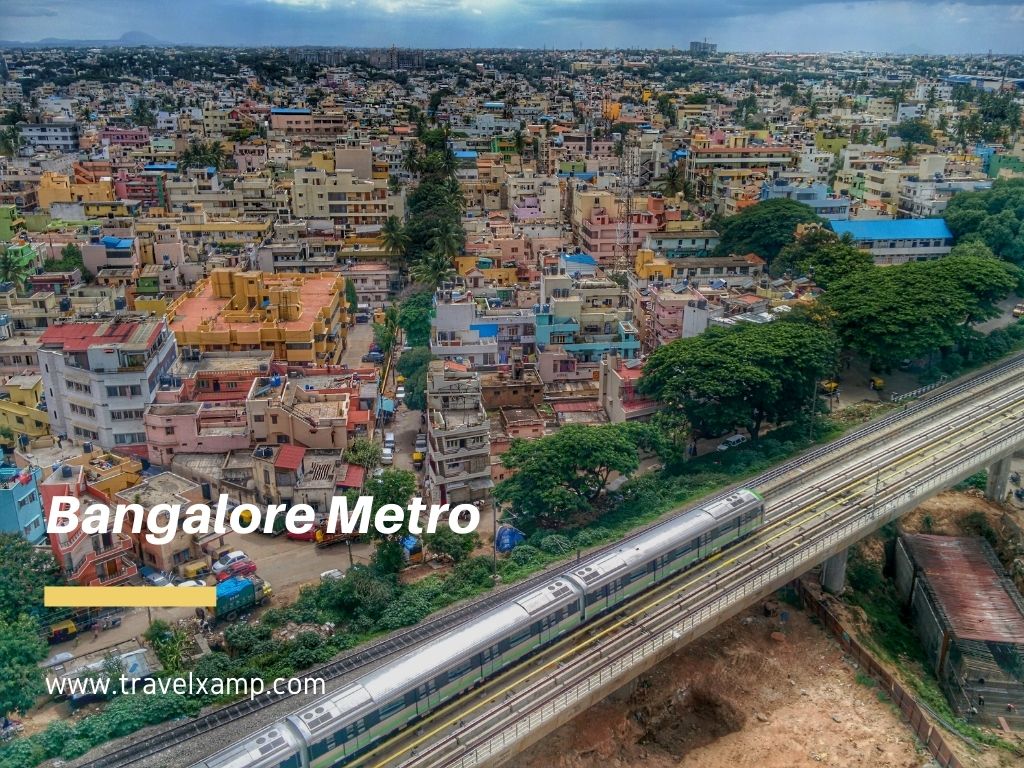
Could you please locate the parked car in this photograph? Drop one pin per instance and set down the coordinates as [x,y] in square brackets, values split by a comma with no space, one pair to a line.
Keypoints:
[389,440]
[373,357]
[237,568]
[192,583]
[1018,311]
[421,442]
[732,442]
[155,578]
[227,560]
[333,574]
[400,394]
[387,456]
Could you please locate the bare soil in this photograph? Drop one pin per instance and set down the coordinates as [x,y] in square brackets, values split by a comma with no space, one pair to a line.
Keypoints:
[757,692]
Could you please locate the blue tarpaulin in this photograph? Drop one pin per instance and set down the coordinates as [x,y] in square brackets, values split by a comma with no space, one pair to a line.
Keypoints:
[507,538]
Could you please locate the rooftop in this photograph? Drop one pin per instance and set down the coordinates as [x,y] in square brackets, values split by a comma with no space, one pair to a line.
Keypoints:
[893,229]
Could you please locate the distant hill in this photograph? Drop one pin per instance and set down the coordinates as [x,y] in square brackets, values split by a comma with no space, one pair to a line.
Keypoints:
[128,39]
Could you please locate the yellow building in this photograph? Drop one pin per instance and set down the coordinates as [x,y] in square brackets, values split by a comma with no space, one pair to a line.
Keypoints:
[487,267]
[19,408]
[833,144]
[649,266]
[58,188]
[299,318]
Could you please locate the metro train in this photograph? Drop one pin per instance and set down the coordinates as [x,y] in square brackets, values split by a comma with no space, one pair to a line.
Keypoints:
[338,727]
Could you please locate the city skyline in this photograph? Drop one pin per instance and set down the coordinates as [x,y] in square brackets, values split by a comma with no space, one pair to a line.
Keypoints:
[858,25]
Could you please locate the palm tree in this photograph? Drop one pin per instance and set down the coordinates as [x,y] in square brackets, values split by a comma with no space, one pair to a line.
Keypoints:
[448,162]
[519,140]
[14,269]
[454,197]
[907,153]
[394,237]
[10,141]
[447,238]
[671,184]
[215,154]
[433,268]
[411,160]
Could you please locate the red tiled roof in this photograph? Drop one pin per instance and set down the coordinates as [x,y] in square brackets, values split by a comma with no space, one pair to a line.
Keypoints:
[290,457]
[583,406]
[354,477]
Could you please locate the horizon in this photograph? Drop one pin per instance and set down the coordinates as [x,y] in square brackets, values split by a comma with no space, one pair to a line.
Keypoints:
[973,27]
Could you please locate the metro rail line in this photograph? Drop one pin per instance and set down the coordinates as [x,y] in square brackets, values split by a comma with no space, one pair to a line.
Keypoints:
[792,472]
[555,663]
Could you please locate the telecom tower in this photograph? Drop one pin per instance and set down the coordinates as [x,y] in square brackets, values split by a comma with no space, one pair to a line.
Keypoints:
[624,229]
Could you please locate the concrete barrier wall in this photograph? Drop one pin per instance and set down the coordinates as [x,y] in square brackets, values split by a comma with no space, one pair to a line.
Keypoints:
[931,736]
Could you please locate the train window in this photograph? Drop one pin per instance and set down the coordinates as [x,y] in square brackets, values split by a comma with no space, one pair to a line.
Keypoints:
[291,762]
[520,636]
[574,606]
[504,645]
[317,749]
[389,709]
[371,720]
[410,699]
[459,671]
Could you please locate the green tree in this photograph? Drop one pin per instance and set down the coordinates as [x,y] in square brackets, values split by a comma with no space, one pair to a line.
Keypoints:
[916,131]
[14,268]
[743,376]
[351,296]
[10,141]
[447,543]
[764,228]
[912,310]
[414,365]
[672,183]
[557,478]
[834,261]
[386,333]
[142,113]
[414,315]
[433,268]
[394,238]
[364,452]
[994,217]
[21,650]
[24,571]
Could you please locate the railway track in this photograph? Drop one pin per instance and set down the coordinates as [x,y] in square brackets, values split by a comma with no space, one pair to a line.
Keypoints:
[912,417]
[468,731]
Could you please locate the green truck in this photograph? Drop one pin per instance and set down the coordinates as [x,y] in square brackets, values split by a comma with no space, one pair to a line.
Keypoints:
[237,594]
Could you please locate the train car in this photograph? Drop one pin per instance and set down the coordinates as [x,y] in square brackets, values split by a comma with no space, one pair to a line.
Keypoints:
[358,716]
[345,724]
[276,746]
[667,549]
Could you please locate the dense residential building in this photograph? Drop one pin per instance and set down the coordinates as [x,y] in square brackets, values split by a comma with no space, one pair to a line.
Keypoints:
[301,319]
[100,374]
[61,135]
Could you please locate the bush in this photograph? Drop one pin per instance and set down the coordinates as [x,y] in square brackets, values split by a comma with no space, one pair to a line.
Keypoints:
[556,544]
[524,554]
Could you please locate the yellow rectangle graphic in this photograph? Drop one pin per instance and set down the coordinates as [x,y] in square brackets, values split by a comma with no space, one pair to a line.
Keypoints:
[129,597]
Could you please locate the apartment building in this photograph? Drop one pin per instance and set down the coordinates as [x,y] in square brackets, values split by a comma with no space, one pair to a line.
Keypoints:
[927,199]
[23,409]
[352,204]
[100,374]
[98,558]
[733,153]
[817,196]
[61,135]
[603,235]
[21,504]
[458,437]
[292,474]
[618,396]
[376,282]
[581,319]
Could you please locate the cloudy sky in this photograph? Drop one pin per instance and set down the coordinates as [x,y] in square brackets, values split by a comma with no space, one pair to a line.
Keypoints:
[800,25]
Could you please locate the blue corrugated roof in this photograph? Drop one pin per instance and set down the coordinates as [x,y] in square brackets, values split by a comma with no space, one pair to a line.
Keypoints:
[161,167]
[116,242]
[289,111]
[579,258]
[465,154]
[486,330]
[893,229]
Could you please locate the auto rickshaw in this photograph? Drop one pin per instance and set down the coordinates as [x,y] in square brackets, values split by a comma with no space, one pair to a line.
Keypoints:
[194,569]
[62,631]
[877,383]
[417,459]
[828,386]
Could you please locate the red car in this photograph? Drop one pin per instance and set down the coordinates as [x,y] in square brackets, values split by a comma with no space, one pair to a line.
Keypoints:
[241,568]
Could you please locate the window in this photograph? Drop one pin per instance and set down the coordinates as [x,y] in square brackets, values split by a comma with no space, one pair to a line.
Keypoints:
[168,430]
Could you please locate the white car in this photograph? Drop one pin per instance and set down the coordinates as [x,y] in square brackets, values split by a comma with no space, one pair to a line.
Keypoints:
[400,394]
[228,560]
[333,574]
[193,583]
[389,440]
[387,456]
[732,442]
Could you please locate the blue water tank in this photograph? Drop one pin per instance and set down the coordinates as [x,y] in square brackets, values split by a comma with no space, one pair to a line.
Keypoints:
[120,303]
[65,304]
[275,380]
[87,447]
[66,471]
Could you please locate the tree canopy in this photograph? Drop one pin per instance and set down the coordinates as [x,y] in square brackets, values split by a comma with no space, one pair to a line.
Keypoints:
[742,376]
[24,571]
[910,310]
[21,678]
[558,477]
[822,255]
[414,318]
[916,131]
[994,217]
[764,228]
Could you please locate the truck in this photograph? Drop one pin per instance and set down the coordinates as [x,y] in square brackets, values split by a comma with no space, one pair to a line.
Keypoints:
[324,538]
[237,594]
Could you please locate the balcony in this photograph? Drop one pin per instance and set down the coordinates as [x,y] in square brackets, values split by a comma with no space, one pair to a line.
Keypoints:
[126,570]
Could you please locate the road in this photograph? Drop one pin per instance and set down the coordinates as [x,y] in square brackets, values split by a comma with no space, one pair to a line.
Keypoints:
[920,421]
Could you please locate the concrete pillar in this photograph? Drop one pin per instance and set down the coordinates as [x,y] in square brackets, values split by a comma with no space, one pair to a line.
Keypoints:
[998,479]
[833,573]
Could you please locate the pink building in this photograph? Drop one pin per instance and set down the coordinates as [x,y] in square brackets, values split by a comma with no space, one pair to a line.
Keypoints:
[125,137]
[601,234]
